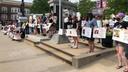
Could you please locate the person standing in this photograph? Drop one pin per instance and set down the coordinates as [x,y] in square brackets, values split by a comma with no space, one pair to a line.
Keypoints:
[99,24]
[39,25]
[112,22]
[83,24]
[75,27]
[120,47]
[92,23]
[27,28]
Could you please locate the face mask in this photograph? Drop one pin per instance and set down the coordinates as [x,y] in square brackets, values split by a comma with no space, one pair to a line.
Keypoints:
[118,19]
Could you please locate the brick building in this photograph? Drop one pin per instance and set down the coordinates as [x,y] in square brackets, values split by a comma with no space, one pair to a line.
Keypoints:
[9,9]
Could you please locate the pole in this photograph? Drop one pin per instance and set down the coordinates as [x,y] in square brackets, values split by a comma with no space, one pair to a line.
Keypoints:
[101,4]
[60,6]
[22,8]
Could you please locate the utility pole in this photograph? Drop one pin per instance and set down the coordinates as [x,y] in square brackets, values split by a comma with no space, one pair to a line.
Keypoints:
[101,4]
[22,8]
[60,13]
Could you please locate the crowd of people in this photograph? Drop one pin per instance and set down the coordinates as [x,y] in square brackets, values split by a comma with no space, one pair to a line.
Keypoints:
[43,25]
[116,21]
[46,25]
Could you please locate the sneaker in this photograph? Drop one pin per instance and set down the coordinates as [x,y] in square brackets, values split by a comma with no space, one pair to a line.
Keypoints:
[75,47]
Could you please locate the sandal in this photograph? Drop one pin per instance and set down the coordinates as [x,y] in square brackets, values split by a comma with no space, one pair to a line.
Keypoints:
[118,67]
[125,70]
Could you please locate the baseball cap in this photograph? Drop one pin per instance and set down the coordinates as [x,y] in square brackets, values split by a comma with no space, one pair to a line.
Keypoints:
[120,14]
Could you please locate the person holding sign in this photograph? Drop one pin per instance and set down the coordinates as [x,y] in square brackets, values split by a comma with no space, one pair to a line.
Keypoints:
[91,22]
[119,45]
[75,27]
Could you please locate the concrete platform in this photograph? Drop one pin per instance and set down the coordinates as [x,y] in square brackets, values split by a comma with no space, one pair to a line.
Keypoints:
[76,57]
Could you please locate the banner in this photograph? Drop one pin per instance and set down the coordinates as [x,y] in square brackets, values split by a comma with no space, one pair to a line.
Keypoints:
[87,31]
[99,33]
[71,32]
[120,35]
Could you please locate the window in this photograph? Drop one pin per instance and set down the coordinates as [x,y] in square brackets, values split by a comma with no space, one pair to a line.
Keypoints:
[13,17]
[4,16]
[27,11]
[4,9]
[14,10]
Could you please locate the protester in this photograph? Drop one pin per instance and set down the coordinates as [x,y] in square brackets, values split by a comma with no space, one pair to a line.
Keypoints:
[119,45]
[39,25]
[52,27]
[75,26]
[92,24]
[31,25]
[66,20]
[27,28]
[99,24]
[105,21]
[83,24]
[112,21]
[108,42]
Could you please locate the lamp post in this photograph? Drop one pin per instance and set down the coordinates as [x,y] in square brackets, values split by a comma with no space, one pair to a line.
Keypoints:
[60,13]
[101,3]
[22,8]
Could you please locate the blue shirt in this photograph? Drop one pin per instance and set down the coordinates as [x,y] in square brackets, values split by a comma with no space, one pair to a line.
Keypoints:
[92,23]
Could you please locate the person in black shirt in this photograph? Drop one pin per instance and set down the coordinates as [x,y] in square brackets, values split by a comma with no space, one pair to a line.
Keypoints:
[119,45]
[75,26]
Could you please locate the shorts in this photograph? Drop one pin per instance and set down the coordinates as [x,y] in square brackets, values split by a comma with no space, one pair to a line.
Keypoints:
[90,39]
[119,44]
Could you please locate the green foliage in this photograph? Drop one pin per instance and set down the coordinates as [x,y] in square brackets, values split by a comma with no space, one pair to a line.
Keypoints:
[116,6]
[40,6]
[86,6]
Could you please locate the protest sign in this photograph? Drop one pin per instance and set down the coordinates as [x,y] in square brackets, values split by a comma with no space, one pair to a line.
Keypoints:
[71,32]
[120,35]
[99,33]
[86,32]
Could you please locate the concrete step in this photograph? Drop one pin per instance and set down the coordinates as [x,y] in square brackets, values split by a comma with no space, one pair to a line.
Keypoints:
[58,49]
[55,52]
[99,46]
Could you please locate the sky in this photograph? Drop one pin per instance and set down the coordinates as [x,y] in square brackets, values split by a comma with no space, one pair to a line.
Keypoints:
[69,0]
[31,0]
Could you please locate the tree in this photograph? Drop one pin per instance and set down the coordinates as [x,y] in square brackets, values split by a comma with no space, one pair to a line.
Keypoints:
[86,6]
[115,6]
[40,6]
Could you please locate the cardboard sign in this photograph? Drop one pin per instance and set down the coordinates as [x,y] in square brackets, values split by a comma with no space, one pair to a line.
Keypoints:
[86,32]
[71,32]
[99,33]
[120,35]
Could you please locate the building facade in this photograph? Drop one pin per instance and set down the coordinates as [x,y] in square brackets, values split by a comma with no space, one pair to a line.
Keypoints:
[9,9]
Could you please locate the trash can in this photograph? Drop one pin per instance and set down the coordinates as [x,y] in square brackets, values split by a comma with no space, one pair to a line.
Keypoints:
[108,42]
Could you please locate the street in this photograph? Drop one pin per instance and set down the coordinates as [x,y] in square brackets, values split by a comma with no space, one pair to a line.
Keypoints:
[22,57]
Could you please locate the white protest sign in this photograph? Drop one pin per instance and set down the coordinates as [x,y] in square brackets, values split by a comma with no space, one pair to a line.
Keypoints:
[71,32]
[120,35]
[60,32]
[87,31]
[99,33]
